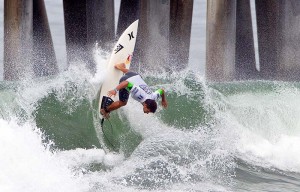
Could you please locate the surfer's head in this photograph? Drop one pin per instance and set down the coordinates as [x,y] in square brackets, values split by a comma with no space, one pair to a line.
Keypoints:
[149,106]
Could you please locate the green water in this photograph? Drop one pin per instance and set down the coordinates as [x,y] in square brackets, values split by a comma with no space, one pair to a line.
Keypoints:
[76,128]
[68,130]
[197,138]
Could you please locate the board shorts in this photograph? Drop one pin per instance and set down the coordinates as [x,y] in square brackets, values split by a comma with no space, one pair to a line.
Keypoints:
[124,93]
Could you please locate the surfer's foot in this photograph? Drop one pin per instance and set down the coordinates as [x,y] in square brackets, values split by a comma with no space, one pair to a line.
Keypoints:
[121,67]
[104,113]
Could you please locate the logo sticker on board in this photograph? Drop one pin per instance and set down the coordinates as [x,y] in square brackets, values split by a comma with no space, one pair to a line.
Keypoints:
[119,48]
[131,35]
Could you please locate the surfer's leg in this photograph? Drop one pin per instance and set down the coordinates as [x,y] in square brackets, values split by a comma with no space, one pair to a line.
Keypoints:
[121,67]
[123,98]
[116,105]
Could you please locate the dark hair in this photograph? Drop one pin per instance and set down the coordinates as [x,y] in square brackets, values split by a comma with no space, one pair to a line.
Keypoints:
[151,105]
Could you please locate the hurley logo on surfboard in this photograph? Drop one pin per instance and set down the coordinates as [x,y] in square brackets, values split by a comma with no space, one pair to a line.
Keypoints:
[131,35]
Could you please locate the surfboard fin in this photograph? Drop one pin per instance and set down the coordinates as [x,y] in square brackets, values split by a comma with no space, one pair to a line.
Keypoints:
[102,121]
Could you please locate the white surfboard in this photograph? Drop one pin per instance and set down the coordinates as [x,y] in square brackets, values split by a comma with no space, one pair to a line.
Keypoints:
[122,53]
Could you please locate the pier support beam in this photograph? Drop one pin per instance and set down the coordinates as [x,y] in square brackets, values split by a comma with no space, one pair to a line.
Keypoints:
[100,23]
[181,13]
[129,12]
[17,38]
[164,35]
[44,58]
[75,30]
[245,53]
[221,38]
[100,27]
[153,42]
[289,57]
[269,36]
[87,22]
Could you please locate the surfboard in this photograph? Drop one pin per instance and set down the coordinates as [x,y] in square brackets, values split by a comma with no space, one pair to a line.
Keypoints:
[121,53]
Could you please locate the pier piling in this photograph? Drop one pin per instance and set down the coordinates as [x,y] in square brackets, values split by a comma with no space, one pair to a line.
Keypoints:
[220,40]
[75,30]
[129,12]
[245,64]
[153,42]
[44,59]
[17,38]
[181,12]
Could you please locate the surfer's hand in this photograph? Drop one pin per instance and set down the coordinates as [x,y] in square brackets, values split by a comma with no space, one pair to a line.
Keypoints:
[164,103]
[112,93]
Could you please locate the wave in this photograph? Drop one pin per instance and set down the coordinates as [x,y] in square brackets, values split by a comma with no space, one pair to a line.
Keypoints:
[209,136]
[265,118]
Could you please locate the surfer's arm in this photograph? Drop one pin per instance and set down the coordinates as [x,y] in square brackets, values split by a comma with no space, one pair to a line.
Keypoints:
[122,85]
[164,102]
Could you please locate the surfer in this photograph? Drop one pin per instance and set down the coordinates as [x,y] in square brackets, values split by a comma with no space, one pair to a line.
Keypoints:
[132,83]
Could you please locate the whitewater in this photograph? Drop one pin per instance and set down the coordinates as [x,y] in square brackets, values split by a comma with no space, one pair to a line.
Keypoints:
[241,136]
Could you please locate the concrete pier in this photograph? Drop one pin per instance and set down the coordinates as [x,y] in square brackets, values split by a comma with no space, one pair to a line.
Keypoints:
[100,20]
[152,47]
[87,22]
[288,50]
[44,59]
[129,12]
[100,23]
[181,12]
[278,28]
[75,30]
[163,38]
[221,39]
[269,36]
[245,65]
[17,38]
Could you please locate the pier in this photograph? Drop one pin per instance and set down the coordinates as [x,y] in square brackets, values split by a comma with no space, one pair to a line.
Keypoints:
[235,50]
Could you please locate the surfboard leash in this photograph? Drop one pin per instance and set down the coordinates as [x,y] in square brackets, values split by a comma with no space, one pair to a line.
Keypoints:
[106,101]
[102,122]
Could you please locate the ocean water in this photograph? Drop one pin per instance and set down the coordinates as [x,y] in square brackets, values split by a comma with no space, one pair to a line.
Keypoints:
[239,136]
